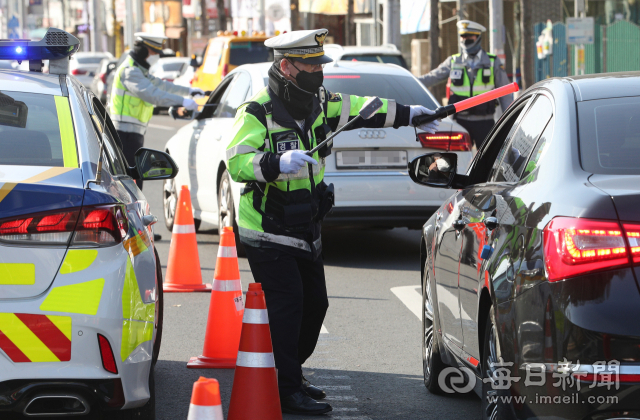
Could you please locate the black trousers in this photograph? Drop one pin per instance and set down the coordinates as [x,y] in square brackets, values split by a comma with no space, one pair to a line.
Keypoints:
[478,130]
[296,296]
[131,142]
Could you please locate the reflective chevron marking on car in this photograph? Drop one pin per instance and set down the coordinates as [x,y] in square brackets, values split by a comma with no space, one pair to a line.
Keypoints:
[43,175]
[35,338]
[137,244]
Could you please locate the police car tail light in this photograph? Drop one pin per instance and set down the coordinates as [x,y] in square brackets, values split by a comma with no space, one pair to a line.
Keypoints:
[575,246]
[633,236]
[41,228]
[101,226]
[449,141]
[106,354]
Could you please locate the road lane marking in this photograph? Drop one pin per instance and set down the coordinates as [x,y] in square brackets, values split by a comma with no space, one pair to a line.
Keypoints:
[341,398]
[162,127]
[335,387]
[324,330]
[411,298]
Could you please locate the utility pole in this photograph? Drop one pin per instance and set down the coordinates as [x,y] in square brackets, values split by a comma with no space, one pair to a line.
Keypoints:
[128,29]
[204,18]
[94,25]
[391,23]
[526,44]
[496,29]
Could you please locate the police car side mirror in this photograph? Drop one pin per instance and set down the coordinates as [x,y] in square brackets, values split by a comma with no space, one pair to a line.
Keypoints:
[435,170]
[153,164]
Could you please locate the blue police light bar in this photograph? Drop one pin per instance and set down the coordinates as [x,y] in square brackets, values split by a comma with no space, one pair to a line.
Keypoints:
[55,45]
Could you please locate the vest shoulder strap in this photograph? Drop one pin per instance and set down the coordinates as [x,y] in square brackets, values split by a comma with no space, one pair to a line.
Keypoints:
[492,56]
[258,110]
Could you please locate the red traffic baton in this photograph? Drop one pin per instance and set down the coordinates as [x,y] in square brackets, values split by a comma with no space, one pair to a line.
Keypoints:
[445,111]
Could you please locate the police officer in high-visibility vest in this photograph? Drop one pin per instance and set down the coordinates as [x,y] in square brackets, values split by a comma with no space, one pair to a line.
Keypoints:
[471,73]
[135,93]
[285,197]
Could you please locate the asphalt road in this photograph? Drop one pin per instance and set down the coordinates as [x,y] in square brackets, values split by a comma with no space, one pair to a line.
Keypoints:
[369,357]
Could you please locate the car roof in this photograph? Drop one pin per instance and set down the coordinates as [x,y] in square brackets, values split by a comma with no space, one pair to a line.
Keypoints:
[176,59]
[360,67]
[30,82]
[608,85]
[387,49]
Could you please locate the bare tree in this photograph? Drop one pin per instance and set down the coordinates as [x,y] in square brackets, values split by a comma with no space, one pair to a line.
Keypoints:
[222,15]
[295,15]
[350,27]
[434,35]
[204,17]
[526,44]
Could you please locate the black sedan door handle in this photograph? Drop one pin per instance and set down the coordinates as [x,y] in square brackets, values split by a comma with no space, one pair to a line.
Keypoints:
[459,224]
[491,223]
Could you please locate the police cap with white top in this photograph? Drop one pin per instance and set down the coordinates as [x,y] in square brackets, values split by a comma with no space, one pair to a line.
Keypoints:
[303,46]
[468,27]
[155,42]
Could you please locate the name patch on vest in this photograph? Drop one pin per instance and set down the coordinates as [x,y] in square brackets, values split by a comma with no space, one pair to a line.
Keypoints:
[456,74]
[286,141]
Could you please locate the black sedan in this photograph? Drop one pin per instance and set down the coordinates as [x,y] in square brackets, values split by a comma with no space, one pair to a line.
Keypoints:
[531,271]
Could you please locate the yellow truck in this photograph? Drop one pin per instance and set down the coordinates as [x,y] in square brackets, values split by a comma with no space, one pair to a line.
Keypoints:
[224,53]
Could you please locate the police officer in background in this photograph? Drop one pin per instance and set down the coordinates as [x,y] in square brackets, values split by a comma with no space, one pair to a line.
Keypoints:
[135,93]
[285,197]
[471,73]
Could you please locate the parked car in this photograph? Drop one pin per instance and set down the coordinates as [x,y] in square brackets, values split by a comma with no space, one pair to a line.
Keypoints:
[532,265]
[368,166]
[226,52]
[170,68]
[387,53]
[84,65]
[81,303]
[99,83]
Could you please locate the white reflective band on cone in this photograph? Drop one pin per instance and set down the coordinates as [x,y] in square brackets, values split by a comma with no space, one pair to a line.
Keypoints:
[184,229]
[227,252]
[255,316]
[205,412]
[255,360]
[227,285]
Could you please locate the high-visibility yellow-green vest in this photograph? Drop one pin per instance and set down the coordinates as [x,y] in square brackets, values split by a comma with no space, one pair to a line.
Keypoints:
[461,87]
[125,107]
[282,212]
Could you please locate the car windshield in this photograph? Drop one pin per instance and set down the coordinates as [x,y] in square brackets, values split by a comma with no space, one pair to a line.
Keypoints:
[376,58]
[403,89]
[249,52]
[36,130]
[610,136]
[91,59]
[173,66]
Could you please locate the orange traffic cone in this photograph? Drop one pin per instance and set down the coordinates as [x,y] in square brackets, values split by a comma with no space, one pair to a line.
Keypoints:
[205,400]
[226,310]
[255,387]
[183,268]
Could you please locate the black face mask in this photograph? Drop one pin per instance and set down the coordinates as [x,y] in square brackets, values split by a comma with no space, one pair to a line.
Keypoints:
[469,42]
[310,82]
[297,102]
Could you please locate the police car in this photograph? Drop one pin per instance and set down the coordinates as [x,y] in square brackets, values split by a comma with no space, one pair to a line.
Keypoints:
[80,280]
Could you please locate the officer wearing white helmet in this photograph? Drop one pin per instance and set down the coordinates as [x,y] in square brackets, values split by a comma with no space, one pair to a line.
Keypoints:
[135,93]
[471,73]
[285,198]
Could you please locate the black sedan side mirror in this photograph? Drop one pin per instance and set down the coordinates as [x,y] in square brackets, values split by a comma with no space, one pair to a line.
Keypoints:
[154,164]
[434,169]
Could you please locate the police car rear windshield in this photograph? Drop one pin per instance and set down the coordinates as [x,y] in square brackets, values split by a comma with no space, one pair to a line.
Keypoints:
[377,58]
[30,129]
[610,136]
[405,90]
[249,52]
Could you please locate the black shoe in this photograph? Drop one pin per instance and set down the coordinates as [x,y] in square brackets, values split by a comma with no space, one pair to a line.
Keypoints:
[157,237]
[312,390]
[301,403]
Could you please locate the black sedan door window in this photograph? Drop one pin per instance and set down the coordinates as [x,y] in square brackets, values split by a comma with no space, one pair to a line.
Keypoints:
[515,153]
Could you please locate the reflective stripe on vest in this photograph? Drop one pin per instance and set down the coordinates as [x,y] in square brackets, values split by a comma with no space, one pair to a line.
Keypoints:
[126,107]
[465,90]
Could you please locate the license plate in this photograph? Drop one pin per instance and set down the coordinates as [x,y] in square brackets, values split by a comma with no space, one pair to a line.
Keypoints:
[371,159]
